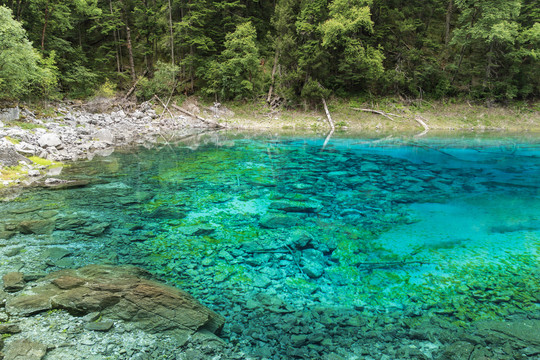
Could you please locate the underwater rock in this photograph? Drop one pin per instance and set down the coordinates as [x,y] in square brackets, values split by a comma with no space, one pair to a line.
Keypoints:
[13,282]
[9,329]
[525,331]
[37,227]
[56,253]
[122,292]
[312,263]
[309,208]
[271,221]
[99,326]
[95,229]
[24,349]
[369,167]
[167,212]
[300,240]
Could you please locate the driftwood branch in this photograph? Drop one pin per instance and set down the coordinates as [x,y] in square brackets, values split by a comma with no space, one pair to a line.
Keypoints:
[165,107]
[206,121]
[330,121]
[389,264]
[386,115]
[328,116]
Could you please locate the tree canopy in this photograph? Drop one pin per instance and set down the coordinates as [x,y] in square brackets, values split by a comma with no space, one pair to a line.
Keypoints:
[296,50]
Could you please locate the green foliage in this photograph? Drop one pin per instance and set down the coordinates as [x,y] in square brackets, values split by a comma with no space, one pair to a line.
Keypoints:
[163,83]
[22,70]
[481,49]
[236,75]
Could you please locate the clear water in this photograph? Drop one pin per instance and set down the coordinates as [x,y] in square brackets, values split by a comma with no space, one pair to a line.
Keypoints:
[362,235]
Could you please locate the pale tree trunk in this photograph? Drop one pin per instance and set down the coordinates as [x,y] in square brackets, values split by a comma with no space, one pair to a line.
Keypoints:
[172,33]
[130,54]
[274,68]
[118,67]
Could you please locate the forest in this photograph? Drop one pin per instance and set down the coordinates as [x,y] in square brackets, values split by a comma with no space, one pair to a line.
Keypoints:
[287,51]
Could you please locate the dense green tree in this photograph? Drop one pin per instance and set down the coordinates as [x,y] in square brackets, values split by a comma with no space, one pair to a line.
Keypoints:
[22,69]
[237,72]
[295,50]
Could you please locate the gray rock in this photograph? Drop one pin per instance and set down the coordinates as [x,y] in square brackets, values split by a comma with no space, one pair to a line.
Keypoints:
[24,349]
[104,135]
[10,157]
[49,140]
[10,114]
[26,148]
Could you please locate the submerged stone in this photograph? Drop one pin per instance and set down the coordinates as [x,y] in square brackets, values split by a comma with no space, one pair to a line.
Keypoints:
[99,326]
[123,293]
[24,349]
[38,227]
[271,221]
[14,281]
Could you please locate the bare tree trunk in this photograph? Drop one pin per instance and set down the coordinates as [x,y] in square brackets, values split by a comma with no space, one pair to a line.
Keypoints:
[130,53]
[330,121]
[274,68]
[118,67]
[191,75]
[172,33]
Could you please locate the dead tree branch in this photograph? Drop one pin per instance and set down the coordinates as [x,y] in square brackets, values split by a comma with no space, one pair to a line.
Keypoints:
[386,115]
[209,122]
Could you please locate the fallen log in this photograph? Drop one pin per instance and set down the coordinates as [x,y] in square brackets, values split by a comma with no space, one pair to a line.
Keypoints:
[388,264]
[206,121]
[386,115]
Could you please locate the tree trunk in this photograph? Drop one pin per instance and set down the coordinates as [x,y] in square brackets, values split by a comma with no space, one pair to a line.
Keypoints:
[118,67]
[191,75]
[172,33]
[449,11]
[489,65]
[130,54]
[45,26]
[274,68]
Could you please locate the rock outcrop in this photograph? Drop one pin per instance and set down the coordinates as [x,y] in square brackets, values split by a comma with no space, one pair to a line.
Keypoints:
[125,293]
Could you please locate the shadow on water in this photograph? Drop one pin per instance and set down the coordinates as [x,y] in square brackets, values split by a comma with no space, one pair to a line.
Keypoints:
[369,247]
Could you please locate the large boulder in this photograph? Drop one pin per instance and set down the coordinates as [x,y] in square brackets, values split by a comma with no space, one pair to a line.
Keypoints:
[24,349]
[9,156]
[49,140]
[10,114]
[119,292]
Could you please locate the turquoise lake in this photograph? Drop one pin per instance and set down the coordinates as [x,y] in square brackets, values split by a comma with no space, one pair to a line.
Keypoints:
[302,248]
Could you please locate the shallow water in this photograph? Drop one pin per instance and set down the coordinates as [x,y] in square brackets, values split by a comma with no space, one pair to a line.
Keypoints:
[289,240]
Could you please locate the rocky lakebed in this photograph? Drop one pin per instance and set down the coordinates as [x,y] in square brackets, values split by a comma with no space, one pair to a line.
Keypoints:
[127,235]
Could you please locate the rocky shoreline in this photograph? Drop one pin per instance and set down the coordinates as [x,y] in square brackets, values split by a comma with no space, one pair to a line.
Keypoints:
[75,133]
[87,313]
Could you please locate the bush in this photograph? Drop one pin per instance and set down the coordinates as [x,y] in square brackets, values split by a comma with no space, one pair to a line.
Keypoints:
[22,69]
